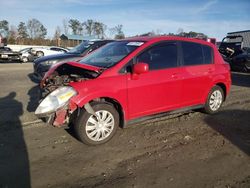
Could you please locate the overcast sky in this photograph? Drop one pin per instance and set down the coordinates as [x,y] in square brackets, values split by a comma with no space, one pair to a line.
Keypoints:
[212,17]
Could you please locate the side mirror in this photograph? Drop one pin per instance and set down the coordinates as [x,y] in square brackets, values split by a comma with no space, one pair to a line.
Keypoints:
[140,68]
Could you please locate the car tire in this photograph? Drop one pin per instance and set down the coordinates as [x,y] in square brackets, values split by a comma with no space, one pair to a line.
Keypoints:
[92,131]
[25,59]
[39,54]
[214,100]
[245,69]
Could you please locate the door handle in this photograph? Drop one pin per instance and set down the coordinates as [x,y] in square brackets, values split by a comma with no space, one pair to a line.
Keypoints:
[210,70]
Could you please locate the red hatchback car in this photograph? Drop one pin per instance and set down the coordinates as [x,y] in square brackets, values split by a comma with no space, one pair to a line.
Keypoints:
[133,78]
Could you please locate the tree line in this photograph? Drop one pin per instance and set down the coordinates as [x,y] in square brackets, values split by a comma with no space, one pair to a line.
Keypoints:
[180,32]
[33,32]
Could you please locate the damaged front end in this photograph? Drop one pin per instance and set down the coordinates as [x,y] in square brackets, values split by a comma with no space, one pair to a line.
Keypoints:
[56,107]
[66,73]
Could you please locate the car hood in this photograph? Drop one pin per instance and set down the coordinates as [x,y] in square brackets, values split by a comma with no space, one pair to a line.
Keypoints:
[73,64]
[57,57]
[65,73]
[83,66]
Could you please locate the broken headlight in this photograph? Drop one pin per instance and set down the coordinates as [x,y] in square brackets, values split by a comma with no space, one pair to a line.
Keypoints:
[55,100]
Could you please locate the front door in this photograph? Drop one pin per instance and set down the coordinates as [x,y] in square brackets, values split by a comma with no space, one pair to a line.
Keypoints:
[159,89]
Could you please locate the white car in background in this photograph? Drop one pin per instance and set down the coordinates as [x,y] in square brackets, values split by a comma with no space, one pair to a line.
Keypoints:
[26,55]
[44,51]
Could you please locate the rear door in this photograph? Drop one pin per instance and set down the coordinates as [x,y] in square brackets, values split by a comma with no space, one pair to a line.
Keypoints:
[198,69]
[160,88]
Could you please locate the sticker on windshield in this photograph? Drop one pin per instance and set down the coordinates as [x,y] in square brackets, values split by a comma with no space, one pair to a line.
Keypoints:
[135,43]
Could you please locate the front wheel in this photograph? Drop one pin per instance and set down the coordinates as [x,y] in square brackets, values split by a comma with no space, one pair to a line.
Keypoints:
[97,129]
[25,59]
[214,100]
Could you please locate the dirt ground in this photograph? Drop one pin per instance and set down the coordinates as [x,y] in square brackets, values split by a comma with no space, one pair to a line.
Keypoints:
[181,150]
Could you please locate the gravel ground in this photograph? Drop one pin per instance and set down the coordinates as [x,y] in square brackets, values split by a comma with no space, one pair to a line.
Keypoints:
[181,150]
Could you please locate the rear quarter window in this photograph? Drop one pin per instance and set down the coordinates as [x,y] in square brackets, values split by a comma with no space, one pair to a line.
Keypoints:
[196,54]
[208,54]
[192,53]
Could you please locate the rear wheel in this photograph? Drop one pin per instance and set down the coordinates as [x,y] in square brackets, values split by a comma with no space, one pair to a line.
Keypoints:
[97,129]
[214,100]
[39,54]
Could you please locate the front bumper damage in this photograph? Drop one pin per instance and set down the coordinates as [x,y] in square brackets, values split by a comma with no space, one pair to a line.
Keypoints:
[60,117]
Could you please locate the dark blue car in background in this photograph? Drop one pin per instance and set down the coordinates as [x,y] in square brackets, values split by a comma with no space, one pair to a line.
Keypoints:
[43,64]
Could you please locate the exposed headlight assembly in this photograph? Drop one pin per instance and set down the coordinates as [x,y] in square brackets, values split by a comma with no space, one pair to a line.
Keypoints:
[55,100]
[50,62]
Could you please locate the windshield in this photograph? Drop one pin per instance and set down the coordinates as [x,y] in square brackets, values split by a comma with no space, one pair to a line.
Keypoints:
[24,50]
[111,53]
[81,47]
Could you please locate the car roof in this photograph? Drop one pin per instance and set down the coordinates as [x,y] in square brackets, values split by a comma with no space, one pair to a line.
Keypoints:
[5,48]
[96,41]
[166,37]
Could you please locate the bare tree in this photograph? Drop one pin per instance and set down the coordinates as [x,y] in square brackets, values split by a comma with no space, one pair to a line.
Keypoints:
[43,32]
[22,30]
[80,29]
[65,26]
[12,34]
[117,31]
[76,26]
[158,32]
[89,26]
[4,28]
[99,29]
[57,33]
[36,29]
[180,31]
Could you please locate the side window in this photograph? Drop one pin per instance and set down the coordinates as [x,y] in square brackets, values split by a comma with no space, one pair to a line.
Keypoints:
[54,49]
[192,53]
[208,54]
[58,49]
[160,56]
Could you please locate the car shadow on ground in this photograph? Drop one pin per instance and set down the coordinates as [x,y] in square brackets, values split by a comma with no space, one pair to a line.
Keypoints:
[241,79]
[14,160]
[33,79]
[6,61]
[234,126]
[34,95]
[34,98]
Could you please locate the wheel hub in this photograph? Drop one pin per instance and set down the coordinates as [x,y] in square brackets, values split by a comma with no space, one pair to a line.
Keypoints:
[215,100]
[100,126]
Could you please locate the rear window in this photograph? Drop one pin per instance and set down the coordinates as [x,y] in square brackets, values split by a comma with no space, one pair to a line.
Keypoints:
[196,54]
[208,54]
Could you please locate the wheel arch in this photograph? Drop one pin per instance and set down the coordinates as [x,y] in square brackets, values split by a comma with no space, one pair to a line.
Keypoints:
[40,51]
[117,105]
[223,87]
